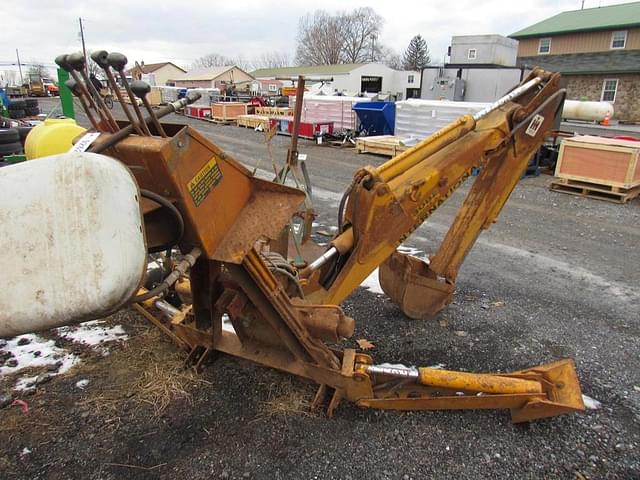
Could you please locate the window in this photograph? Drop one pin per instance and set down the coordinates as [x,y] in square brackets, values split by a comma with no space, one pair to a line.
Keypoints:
[472,54]
[410,79]
[618,40]
[544,46]
[609,89]
[273,87]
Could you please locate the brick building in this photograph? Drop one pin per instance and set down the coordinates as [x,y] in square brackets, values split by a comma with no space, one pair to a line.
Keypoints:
[597,51]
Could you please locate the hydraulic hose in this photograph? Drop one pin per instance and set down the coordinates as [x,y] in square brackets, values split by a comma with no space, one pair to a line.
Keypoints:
[175,213]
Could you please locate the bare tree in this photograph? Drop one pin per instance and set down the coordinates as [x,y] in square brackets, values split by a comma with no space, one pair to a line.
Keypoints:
[361,30]
[273,59]
[212,60]
[391,58]
[321,39]
[38,70]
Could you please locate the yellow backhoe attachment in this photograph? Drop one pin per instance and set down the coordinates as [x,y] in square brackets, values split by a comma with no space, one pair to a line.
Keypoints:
[226,224]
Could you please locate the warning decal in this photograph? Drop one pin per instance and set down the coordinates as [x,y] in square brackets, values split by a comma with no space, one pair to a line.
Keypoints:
[534,126]
[204,181]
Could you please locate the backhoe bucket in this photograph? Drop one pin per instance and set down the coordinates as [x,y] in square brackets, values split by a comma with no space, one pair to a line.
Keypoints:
[410,284]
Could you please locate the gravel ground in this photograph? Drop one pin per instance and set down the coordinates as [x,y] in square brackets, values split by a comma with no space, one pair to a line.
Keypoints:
[557,276]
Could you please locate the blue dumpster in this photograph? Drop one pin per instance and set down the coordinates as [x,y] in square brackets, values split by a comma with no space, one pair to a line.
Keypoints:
[376,118]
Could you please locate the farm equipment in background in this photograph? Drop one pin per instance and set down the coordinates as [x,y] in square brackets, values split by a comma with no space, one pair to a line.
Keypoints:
[144,187]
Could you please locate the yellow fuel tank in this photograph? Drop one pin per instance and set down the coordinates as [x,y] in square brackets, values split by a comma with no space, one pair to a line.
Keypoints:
[51,137]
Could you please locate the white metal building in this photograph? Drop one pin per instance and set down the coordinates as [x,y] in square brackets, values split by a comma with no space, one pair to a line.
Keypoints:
[353,78]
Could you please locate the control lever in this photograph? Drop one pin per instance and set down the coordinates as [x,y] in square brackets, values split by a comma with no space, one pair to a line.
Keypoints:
[118,61]
[72,85]
[100,57]
[140,89]
[77,62]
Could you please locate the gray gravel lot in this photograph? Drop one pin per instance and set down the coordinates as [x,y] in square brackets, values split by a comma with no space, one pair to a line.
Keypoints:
[557,276]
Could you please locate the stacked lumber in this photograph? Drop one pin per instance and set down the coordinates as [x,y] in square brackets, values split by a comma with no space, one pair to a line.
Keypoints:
[598,167]
[388,145]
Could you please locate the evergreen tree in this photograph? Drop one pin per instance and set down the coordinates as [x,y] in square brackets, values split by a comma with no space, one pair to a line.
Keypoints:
[416,56]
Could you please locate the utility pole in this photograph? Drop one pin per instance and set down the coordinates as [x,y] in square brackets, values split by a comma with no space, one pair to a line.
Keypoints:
[84,50]
[19,67]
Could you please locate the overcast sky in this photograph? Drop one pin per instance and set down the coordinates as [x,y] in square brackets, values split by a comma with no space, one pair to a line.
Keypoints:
[181,31]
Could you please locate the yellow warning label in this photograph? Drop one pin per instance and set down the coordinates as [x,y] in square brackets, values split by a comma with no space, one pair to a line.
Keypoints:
[204,181]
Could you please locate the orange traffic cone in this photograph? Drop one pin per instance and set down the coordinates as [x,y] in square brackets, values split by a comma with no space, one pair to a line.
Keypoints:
[605,122]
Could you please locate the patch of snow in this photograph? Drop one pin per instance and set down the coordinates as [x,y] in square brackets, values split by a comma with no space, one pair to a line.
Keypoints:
[591,403]
[372,282]
[25,451]
[26,383]
[81,384]
[226,324]
[93,333]
[26,355]
[31,350]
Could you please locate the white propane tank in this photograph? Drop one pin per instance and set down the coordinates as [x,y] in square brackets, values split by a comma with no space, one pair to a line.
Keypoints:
[72,246]
[591,111]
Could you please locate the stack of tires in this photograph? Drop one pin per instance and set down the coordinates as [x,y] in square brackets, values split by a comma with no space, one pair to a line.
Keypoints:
[23,108]
[12,140]
[10,143]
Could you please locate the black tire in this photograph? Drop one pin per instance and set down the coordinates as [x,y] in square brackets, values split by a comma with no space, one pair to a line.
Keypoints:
[23,132]
[16,114]
[17,105]
[32,111]
[8,136]
[10,148]
[31,102]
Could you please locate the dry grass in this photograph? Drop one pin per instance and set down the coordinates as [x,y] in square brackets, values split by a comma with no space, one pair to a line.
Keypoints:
[149,370]
[287,397]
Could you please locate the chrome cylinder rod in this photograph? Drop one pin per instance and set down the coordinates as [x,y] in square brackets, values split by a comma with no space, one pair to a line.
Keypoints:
[516,92]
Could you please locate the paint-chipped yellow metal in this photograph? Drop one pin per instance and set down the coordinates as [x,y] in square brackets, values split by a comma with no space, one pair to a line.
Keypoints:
[283,319]
[388,203]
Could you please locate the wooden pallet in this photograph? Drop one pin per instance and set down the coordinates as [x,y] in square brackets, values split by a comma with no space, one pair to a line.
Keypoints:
[381,145]
[219,121]
[274,111]
[594,190]
[252,121]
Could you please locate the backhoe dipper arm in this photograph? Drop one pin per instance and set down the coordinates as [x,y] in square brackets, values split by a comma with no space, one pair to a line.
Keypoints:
[385,205]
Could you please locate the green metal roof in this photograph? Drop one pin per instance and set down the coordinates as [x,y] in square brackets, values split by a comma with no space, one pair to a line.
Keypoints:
[593,63]
[620,16]
[307,70]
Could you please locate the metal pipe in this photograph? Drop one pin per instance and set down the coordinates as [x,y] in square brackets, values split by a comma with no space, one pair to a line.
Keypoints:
[100,57]
[292,157]
[123,133]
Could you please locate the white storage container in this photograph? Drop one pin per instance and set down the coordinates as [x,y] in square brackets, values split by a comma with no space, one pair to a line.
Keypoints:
[420,118]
